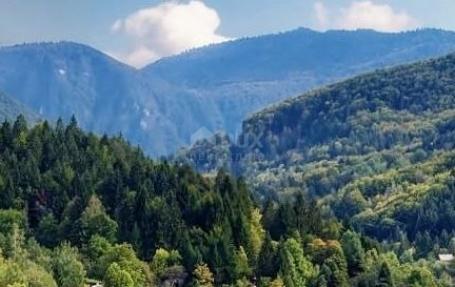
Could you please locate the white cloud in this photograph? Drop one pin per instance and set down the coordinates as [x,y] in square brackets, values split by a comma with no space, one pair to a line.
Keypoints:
[322,15]
[140,56]
[168,29]
[365,15]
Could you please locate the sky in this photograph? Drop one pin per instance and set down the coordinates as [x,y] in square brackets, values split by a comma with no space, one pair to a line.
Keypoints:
[139,32]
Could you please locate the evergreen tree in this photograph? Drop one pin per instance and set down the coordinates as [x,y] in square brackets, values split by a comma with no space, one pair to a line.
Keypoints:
[268,264]
[47,231]
[353,250]
[385,278]
[241,264]
[95,221]
[295,268]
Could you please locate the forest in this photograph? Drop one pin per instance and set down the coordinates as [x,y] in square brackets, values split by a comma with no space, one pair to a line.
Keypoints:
[77,209]
[375,153]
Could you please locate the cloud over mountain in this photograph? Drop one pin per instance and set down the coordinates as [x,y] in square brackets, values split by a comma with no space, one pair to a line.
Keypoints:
[363,15]
[168,29]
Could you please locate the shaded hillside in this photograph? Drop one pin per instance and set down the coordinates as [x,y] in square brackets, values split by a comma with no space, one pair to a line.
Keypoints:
[177,100]
[62,79]
[10,109]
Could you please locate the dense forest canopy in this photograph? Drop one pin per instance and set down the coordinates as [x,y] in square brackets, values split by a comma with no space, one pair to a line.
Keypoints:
[327,138]
[76,208]
[375,152]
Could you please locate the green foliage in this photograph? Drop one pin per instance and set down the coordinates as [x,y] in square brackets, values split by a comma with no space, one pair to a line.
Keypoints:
[352,248]
[164,259]
[203,277]
[375,151]
[385,278]
[47,231]
[268,264]
[295,268]
[68,269]
[256,233]
[278,282]
[78,188]
[10,219]
[329,255]
[24,272]
[370,146]
[79,195]
[95,221]
[116,277]
[242,268]
[124,256]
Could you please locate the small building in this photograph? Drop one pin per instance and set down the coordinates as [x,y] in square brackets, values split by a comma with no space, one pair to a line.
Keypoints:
[446,258]
[93,283]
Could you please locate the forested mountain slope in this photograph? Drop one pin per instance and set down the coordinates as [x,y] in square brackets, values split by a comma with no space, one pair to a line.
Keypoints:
[179,99]
[328,137]
[376,151]
[77,208]
[243,76]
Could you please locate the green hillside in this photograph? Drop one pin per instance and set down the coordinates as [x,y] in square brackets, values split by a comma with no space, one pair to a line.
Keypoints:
[411,200]
[328,137]
[78,208]
[376,150]
[374,112]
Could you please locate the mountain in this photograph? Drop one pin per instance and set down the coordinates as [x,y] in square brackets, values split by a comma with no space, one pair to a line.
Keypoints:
[364,170]
[326,139]
[243,76]
[62,79]
[180,99]
[10,109]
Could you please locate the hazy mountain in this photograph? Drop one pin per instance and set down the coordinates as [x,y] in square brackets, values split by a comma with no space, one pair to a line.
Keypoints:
[61,79]
[243,76]
[183,98]
[10,109]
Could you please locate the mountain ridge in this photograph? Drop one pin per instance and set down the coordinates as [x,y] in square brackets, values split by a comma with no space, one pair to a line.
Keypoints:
[170,103]
[393,112]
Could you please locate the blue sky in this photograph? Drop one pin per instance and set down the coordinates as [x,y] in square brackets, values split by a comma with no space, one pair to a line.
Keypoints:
[140,31]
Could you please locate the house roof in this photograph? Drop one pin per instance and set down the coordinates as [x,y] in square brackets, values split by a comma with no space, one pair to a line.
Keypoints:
[446,257]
